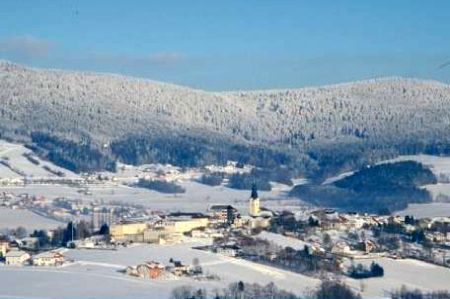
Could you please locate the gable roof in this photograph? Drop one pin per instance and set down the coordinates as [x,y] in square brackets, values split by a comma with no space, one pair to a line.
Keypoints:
[15,253]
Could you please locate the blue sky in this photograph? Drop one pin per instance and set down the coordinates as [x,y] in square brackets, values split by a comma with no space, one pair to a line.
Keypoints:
[230,45]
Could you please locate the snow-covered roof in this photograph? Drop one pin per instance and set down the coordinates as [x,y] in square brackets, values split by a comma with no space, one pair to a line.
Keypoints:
[15,253]
[48,254]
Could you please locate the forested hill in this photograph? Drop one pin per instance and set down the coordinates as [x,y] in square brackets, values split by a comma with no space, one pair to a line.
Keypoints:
[381,189]
[317,131]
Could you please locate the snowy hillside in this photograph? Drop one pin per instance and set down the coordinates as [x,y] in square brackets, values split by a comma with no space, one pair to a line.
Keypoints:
[390,116]
[111,105]
[16,161]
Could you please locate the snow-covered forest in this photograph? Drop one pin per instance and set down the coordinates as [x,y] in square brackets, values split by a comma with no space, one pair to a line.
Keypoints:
[318,130]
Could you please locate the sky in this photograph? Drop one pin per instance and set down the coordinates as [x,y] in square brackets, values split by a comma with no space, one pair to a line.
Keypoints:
[230,44]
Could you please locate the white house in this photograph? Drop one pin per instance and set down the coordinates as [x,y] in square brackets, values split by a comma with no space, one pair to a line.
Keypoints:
[228,250]
[48,258]
[16,257]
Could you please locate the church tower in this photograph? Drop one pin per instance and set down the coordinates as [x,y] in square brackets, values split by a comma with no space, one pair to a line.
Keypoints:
[254,208]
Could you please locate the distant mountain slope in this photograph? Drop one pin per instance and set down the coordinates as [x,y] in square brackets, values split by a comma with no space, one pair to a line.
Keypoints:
[108,106]
[144,120]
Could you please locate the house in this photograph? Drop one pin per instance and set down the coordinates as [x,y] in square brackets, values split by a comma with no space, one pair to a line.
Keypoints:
[29,243]
[150,270]
[368,246]
[223,213]
[206,233]
[16,257]
[228,250]
[4,248]
[240,222]
[352,220]
[48,258]
[341,248]
[178,268]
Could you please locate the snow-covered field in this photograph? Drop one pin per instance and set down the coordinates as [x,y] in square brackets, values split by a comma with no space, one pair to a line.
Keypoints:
[95,274]
[13,218]
[13,153]
[434,209]
[198,197]
[411,273]
[282,241]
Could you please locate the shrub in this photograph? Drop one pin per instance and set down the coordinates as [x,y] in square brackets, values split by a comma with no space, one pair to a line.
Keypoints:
[160,186]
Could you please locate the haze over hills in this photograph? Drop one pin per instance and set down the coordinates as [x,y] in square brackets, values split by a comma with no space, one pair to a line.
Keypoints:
[318,130]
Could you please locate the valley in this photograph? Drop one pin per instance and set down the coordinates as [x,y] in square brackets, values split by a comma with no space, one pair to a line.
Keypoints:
[66,177]
[224,149]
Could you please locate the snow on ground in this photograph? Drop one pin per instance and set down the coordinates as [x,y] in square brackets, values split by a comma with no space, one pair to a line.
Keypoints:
[338,177]
[439,189]
[77,282]
[435,209]
[95,274]
[411,273]
[282,241]
[198,197]
[14,154]
[5,172]
[229,269]
[13,218]
[437,164]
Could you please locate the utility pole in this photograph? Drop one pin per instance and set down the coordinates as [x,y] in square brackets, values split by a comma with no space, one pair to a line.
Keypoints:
[444,262]
[72,232]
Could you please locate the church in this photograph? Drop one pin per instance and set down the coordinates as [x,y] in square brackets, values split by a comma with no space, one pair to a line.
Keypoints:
[259,216]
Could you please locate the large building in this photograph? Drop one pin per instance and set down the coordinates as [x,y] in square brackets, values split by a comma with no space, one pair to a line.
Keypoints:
[102,215]
[223,213]
[168,229]
[128,231]
[183,222]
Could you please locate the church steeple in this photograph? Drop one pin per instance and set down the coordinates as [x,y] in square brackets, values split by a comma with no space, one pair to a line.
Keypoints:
[254,208]
[254,191]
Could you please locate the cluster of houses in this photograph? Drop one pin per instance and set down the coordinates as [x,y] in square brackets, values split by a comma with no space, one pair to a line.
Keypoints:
[148,270]
[326,235]
[12,254]
[174,269]
[69,209]
[173,227]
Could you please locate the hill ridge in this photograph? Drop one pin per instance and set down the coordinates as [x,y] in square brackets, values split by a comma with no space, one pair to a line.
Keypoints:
[390,115]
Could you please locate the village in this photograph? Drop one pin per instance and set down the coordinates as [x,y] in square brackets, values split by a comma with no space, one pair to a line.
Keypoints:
[312,241]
